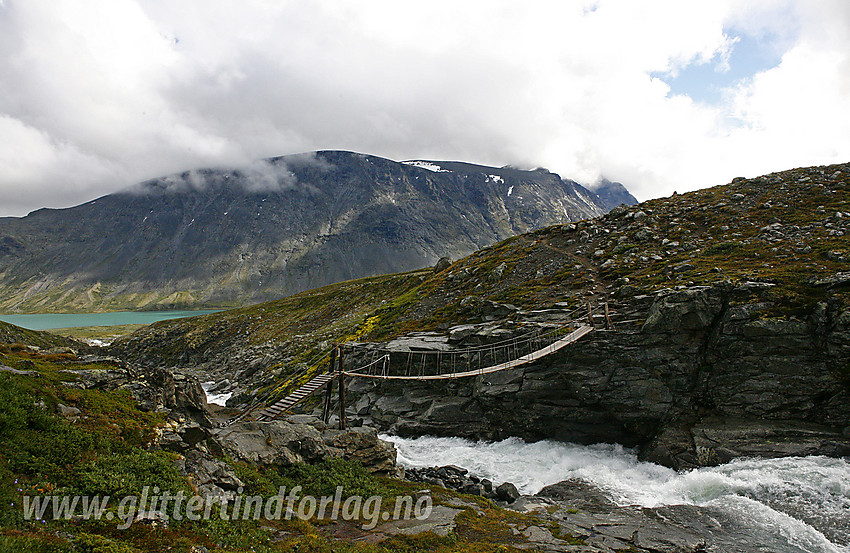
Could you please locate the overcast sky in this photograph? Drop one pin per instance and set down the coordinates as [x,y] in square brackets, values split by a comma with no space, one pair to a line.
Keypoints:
[662,95]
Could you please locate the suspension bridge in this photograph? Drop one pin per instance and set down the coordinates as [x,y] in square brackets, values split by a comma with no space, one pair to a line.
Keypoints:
[424,365]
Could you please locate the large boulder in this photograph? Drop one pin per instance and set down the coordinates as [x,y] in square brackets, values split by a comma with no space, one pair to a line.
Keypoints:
[210,476]
[285,443]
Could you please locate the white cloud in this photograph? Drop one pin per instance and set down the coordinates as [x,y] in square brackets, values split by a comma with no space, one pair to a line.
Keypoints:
[97,94]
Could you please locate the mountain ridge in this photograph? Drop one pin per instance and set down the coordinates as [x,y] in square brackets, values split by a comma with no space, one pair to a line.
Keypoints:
[231,236]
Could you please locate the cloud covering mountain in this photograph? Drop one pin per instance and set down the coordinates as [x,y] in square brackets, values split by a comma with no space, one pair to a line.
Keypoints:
[99,94]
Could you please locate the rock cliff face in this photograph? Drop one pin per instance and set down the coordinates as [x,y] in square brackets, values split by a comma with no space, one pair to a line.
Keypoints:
[227,237]
[702,380]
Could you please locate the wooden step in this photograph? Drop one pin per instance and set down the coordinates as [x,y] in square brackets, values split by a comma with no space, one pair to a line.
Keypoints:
[295,397]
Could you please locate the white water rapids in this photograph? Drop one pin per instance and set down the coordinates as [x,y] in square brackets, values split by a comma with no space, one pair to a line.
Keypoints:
[806,500]
[212,397]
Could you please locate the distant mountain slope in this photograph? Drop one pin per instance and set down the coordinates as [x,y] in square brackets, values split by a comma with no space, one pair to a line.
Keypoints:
[235,236]
[613,194]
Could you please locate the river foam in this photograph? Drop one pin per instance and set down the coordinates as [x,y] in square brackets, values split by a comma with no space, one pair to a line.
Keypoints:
[213,397]
[805,499]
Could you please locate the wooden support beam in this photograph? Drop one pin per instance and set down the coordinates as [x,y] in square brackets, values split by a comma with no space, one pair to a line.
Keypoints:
[341,388]
[326,410]
[608,324]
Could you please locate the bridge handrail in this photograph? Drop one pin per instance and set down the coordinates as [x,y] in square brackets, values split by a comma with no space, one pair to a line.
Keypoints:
[519,360]
[381,359]
[260,402]
[484,347]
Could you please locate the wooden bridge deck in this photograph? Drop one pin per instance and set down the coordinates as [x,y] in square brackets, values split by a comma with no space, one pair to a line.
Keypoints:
[278,408]
[528,358]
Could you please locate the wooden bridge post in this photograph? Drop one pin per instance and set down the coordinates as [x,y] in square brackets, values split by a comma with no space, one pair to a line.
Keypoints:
[326,409]
[590,315]
[608,324]
[341,389]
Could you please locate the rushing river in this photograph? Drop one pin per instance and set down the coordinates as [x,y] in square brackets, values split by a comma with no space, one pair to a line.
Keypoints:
[215,397]
[806,500]
[50,321]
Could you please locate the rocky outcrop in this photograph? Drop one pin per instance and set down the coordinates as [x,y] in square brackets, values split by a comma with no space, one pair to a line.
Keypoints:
[190,431]
[458,479]
[588,515]
[285,442]
[717,441]
[11,334]
[156,389]
[706,376]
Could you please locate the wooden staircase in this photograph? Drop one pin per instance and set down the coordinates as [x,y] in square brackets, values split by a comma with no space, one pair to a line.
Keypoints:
[278,408]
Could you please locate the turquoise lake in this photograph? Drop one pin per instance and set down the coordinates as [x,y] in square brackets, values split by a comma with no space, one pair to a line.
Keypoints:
[49,321]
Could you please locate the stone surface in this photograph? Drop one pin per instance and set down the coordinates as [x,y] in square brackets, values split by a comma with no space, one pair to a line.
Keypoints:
[585,513]
[441,521]
[284,442]
[209,475]
[65,411]
[442,264]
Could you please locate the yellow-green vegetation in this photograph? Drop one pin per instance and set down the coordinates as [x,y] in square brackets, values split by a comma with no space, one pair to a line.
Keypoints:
[101,452]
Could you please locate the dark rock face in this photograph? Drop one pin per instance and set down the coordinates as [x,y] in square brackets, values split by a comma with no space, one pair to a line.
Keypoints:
[701,381]
[717,441]
[507,492]
[284,225]
[579,494]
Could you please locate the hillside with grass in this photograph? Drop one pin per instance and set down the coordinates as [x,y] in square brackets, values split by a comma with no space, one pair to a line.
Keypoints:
[787,230]
[11,334]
